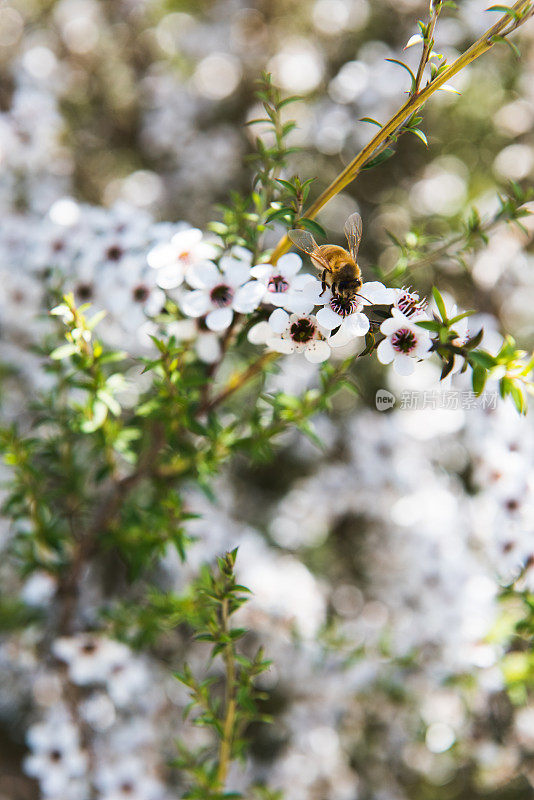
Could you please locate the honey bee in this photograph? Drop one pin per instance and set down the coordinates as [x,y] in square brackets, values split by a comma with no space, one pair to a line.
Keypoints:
[340,265]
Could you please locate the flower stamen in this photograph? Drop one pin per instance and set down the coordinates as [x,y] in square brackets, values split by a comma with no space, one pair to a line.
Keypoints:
[344,306]
[302,331]
[410,304]
[404,340]
[277,284]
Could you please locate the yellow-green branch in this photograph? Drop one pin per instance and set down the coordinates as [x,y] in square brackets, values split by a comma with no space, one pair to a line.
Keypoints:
[503,27]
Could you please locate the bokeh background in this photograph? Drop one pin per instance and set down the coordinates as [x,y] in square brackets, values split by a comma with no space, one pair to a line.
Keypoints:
[377,562]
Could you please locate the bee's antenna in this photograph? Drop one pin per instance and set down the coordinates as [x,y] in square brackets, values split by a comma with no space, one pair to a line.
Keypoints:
[364,298]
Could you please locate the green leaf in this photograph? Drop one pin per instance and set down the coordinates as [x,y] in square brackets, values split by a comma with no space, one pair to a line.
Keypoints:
[506,10]
[482,358]
[440,303]
[95,319]
[407,68]
[293,99]
[312,226]
[379,159]
[518,396]
[110,402]
[97,419]
[430,325]
[63,351]
[288,185]
[371,120]
[447,367]
[505,40]
[475,340]
[419,133]
[478,379]
[456,319]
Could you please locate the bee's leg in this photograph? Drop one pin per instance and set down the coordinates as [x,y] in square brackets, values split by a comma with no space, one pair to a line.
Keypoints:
[333,288]
[323,281]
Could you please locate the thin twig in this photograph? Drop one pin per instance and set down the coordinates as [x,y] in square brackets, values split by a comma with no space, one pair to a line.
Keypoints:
[239,381]
[106,513]
[428,44]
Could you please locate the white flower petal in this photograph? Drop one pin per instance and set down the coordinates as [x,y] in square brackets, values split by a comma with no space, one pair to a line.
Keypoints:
[248,297]
[404,365]
[204,275]
[298,302]
[183,240]
[302,280]
[235,272]
[195,304]
[170,277]
[260,333]
[161,256]
[220,319]
[238,253]
[328,318]
[377,293]
[279,320]
[385,352]
[341,338]
[389,326]
[314,292]
[289,264]
[279,345]
[356,324]
[262,272]
[317,351]
[208,348]
[277,299]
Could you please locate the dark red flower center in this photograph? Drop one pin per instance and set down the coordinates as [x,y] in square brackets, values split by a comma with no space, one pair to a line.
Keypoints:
[277,284]
[140,293]
[221,295]
[114,253]
[303,330]
[404,340]
[84,291]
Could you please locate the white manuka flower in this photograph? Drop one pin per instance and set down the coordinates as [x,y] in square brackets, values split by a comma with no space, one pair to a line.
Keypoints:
[283,284]
[172,259]
[298,333]
[127,780]
[346,314]
[409,303]
[404,343]
[56,758]
[128,681]
[220,292]
[90,658]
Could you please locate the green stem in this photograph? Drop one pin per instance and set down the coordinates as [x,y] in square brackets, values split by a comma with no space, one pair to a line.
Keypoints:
[225,750]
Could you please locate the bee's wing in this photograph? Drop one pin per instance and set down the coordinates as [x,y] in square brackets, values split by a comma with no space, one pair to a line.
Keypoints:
[303,240]
[353,232]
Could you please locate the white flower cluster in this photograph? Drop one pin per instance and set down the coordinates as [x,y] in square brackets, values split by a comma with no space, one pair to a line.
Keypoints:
[306,318]
[113,686]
